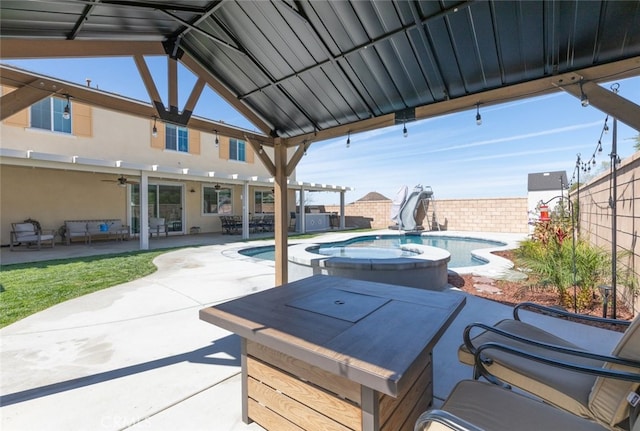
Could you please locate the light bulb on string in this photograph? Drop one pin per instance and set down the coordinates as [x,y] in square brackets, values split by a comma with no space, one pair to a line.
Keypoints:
[66,114]
[154,130]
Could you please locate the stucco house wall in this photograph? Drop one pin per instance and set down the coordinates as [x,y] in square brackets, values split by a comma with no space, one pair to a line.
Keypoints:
[51,191]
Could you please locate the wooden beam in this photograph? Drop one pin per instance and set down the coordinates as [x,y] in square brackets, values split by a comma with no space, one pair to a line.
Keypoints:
[264,157]
[603,73]
[26,96]
[172,70]
[295,159]
[16,78]
[613,104]
[194,96]
[342,130]
[229,97]
[605,100]
[47,48]
[149,84]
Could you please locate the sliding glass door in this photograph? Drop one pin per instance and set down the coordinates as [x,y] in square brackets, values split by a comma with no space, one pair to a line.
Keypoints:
[165,201]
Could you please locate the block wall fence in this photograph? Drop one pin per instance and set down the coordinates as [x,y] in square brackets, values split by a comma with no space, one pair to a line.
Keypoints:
[485,215]
[596,221]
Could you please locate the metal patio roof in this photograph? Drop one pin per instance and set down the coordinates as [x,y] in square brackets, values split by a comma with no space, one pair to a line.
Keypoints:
[297,68]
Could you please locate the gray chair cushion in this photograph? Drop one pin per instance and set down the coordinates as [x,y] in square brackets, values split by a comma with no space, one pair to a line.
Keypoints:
[493,408]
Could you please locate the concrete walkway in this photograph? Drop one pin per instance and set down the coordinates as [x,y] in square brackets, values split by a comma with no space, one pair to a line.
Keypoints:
[137,357]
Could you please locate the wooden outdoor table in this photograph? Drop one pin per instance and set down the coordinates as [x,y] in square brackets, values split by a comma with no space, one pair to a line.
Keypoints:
[330,353]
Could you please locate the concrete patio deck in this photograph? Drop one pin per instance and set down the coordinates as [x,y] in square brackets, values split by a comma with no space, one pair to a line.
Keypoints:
[136,356]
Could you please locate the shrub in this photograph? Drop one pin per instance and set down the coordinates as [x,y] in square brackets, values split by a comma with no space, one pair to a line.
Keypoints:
[549,256]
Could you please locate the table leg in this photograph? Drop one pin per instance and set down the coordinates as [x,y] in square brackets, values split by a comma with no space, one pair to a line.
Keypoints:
[245,383]
[370,409]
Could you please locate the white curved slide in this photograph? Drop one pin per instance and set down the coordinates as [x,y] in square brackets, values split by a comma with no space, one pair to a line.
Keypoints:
[407,215]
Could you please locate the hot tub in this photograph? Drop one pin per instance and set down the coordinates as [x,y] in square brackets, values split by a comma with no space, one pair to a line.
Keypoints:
[423,266]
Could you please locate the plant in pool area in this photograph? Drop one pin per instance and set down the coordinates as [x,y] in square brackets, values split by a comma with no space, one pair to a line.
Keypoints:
[549,256]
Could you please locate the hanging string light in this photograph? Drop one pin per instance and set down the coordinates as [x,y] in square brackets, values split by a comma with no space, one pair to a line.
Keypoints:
[586,165]
[478,116]
[217,140]
[405,133]
[348,138]
[154,130]
[584,100]
[66,114]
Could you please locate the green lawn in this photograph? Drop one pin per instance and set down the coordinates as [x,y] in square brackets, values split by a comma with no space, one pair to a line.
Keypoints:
[31,287]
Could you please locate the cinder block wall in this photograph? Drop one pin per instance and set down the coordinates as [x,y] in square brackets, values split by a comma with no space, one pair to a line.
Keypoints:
[596,221]
[365,214]
[486,215]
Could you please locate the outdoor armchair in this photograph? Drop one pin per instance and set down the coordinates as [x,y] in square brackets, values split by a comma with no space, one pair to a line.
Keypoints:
[157,225]
[588,383]
[28,234]
[481,406]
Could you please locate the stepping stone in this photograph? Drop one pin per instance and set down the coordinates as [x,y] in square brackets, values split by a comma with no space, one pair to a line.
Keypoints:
[487,288]
[511,275]
[483,280]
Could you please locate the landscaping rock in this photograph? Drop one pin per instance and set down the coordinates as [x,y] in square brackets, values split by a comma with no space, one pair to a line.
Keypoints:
[483,280]
[487,288]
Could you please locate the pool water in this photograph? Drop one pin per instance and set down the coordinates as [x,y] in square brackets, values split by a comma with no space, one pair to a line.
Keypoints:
[388,246]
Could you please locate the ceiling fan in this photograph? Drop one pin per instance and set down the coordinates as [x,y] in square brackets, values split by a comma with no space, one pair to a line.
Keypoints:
[122,181]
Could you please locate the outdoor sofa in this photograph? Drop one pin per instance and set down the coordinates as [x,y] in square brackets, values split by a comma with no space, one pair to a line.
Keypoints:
[88,230]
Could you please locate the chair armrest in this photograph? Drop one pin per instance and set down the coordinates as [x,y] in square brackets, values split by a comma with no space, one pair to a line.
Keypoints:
[552,347]
[481,360]
[445,418]
[554,312]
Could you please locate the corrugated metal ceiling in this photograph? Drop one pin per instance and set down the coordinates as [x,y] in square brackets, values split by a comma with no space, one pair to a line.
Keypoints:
[304,66]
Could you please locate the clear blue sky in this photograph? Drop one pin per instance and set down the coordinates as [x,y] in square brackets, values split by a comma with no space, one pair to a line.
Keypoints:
[453,155]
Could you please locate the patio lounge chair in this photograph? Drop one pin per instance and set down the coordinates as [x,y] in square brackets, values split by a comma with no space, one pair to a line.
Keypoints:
[157,225]
[28,234]
[478,406]
[587,383]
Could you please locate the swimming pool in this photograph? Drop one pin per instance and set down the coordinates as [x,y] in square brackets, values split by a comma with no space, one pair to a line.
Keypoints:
[407,260]
[388,247]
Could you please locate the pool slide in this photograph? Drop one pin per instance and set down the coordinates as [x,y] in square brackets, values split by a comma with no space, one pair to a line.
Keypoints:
[407,214]
[396,205]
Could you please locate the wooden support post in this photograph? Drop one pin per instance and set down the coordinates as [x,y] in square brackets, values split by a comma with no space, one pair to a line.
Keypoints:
[282,212]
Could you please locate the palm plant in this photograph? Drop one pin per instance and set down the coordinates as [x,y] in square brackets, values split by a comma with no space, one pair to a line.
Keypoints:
[553,259]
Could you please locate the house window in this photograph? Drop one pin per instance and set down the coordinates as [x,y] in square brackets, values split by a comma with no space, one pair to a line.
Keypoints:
[217,201]
[236,150]
[264,202]
[177,138]
[48,115]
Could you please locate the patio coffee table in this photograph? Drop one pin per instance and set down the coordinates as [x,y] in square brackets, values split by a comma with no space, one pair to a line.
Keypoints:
[330,353]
